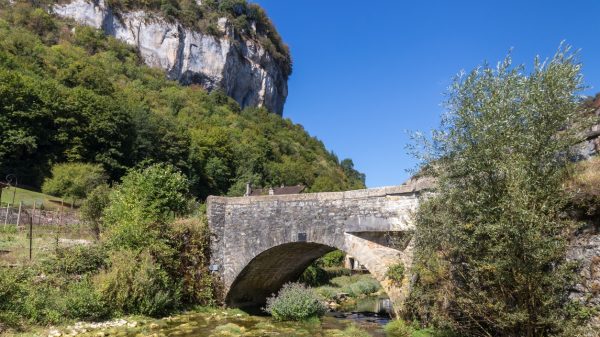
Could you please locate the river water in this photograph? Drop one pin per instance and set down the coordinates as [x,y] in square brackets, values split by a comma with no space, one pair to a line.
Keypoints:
[369,314]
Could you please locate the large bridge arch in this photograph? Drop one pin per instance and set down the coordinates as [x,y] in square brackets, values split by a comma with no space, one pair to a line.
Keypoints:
[259,243]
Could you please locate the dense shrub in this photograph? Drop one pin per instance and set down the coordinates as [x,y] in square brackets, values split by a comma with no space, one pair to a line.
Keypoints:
[396,273]
[398,328]
[83,302]
[135,284]
[354,286]
[141,208]
[189,240]
[77,260]
[92,208]
[74,180]
[30,296]
[314,276]
[357,285]
[362,287]
[332,259]
[327,292]
[295,302]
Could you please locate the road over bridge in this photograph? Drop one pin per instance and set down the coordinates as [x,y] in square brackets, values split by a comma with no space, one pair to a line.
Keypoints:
[260,243]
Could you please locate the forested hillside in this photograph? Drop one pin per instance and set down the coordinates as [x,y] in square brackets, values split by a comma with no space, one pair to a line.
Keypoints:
[70,94]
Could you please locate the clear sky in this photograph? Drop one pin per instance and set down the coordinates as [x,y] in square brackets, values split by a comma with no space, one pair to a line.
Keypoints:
[366,72]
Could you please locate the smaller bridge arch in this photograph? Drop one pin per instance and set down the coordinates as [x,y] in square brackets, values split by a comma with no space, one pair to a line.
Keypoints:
[260,243]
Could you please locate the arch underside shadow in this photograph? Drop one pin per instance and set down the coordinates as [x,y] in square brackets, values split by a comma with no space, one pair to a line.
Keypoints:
[270,270]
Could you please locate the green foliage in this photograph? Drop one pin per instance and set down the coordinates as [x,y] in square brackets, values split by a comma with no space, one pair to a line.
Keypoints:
[189,240]
[353,285]
[74,95]
[83,302]
[491,242]
[353,331]
[73,180]
[166,270]
[332,259]
[398,328]
[135,284]
[362,287]
[396,273]
[92,208]
[26,296]
[76,261]
[314,276]
[142,206]
[295,302]
[141,216]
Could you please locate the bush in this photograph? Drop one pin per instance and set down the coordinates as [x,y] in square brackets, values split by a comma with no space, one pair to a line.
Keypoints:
[398,328]
[327,292]
[189,239]
[77,260]
[332,259]
[314,276]
[396,273]
[82,301]
[93,206]
[135,284]
[362,287]
[356,285]
[295,302]
[142,207]
[73,180]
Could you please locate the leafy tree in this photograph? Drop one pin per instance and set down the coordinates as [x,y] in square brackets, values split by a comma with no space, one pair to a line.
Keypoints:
[142,206]
[74,180]
[492,240]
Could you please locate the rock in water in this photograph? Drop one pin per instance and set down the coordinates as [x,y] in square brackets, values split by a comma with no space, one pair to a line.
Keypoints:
[241,67]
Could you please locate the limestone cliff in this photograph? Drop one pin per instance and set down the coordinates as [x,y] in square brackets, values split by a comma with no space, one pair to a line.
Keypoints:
[242,67]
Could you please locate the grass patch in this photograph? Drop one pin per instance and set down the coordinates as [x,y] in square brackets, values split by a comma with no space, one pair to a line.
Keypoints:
[14,243]
[584,186]
[28,197]
[354,285]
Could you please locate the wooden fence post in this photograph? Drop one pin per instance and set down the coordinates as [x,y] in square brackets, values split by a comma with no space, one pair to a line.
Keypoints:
[31,230]
[6,215]
[33,211]
[19,214]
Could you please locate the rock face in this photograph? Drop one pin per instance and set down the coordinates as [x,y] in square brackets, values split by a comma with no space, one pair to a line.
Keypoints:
[585,249]
[241,67]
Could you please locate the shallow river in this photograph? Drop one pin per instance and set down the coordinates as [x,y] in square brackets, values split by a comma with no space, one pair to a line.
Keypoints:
[369,314]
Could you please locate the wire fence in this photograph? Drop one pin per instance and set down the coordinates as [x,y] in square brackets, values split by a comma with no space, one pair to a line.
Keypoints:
[29,234]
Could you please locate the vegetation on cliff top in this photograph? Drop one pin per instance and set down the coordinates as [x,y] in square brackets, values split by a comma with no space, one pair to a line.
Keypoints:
[249,20]
[75,95]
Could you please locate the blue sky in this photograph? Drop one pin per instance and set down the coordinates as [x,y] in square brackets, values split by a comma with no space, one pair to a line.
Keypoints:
[365,72]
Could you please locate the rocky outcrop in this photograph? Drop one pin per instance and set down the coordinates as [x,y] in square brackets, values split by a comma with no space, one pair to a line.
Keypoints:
[239,66]
[591,145]
[585,250]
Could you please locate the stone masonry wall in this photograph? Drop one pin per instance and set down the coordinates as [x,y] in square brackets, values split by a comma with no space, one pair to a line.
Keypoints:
[271,239]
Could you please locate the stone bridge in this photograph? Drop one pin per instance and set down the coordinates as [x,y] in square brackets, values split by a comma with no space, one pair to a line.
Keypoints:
[260,243]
